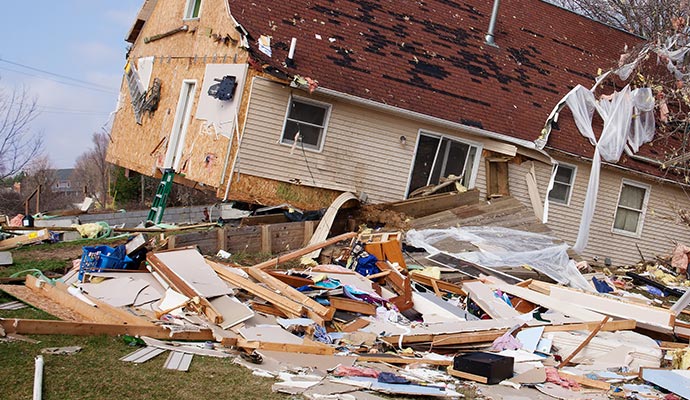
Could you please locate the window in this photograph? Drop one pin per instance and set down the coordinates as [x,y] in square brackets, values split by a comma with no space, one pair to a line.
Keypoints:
[63,184]
[439,157]
[632,204]
[562,184]
[192,9]
[306,120]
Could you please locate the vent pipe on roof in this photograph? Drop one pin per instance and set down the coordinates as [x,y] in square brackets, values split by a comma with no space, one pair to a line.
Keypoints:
[290,60]
[492,25]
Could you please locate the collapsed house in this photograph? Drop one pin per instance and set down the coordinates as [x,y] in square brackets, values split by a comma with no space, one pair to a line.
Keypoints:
[269,103]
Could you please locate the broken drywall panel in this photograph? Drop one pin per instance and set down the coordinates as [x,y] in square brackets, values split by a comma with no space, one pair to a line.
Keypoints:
[487,300]
[221,114]
[184,348]
[674,380]
[429,305]
[530,338]
[269,334]
[118,292]
[390,388]
[652,316]
[639,350]
[317,364]
[190,266]
[172,302]
[232,310]
[145,67]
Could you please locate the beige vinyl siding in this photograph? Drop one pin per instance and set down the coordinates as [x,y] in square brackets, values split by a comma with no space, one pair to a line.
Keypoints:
[361,152]
[660,225]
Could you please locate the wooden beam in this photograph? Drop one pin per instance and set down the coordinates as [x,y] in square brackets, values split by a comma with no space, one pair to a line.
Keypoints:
[467,375]
[308,347]
[442,285]
[355,325]
[266,238]
[267,309]
[391,359]
[584,343]
[286,305]
[341,303]
[586,381]
[306,250]
[293,294]
[103,312]
[50,327]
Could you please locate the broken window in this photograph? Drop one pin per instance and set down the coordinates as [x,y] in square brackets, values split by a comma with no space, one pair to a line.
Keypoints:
[632,203]
[192,9]
[563,184]
[440,157]
[306,122]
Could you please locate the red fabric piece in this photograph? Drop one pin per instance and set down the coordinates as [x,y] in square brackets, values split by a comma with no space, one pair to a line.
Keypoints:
[342,370]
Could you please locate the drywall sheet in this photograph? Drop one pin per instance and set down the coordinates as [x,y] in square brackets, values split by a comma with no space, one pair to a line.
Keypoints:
[488,301]
[270,334]
[551,303]
[118,292]
[145,67]
[221,114]
[190,266]
[232,310]
[675,380]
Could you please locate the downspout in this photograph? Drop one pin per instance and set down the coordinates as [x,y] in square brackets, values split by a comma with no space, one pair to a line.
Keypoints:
[492,25]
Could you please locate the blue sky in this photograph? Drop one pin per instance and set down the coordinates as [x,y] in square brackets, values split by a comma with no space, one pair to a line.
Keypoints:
[80,39]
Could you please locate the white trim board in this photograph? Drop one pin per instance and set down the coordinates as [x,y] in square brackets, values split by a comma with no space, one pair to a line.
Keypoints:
[485,298]
[549,302]
[616,308]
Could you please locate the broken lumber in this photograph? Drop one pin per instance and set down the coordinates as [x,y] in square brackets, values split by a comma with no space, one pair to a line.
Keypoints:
[293,294]
[584,343]
[285,305]
[30,238]
[50,327]
[306,250]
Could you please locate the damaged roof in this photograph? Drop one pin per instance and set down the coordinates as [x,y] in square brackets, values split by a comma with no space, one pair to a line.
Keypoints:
[431,57]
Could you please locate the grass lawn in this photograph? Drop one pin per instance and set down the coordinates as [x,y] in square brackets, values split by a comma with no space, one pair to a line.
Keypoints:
[96,371]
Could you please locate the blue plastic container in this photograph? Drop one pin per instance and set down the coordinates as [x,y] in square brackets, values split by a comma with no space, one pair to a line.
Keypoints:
[99,258]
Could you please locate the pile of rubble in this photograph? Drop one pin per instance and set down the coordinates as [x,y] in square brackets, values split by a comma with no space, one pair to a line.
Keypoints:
[370,321]
[431,311]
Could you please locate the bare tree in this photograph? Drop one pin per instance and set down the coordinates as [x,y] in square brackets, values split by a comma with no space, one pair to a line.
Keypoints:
[18,145]
[645,18]
[40,173]
[92,169]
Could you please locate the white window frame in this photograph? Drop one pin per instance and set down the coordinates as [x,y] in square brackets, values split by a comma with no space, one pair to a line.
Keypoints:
[475,167]
[189,8]
[571,183]
[647,188]
[183,116]
[327,116]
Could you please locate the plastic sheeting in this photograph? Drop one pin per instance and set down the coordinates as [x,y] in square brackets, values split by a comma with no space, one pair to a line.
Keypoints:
[503,247]
[628,123]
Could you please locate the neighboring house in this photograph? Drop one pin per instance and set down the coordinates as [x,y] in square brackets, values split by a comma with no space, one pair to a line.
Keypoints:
[66,183]
[382,98]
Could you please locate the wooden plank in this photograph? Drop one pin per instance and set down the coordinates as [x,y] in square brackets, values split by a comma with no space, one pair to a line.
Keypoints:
[267,309]
[298,253]
[49,327]
[88,312]
[653,316]
[29,238]
[355,325]
[341,303]
[308,232]
[432,204]
[584,343]
[286,305]
[309,347]
[293,294]
[220,237]
[42,302]
[294,281]
[584,381]
[392,359]
[265,238]
[467,375]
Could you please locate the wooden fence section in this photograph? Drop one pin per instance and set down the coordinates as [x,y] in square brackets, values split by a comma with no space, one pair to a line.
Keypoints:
[273,238]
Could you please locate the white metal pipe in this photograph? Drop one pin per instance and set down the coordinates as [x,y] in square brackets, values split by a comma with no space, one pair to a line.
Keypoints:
[492,25]
[38,378]
[293,44]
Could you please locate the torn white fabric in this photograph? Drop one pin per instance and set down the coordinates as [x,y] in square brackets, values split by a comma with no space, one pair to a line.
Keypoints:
[503,247]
